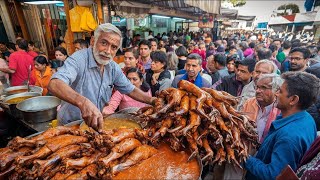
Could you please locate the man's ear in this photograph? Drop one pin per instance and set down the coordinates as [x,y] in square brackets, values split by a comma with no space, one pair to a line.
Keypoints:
[294,100]
[252,73]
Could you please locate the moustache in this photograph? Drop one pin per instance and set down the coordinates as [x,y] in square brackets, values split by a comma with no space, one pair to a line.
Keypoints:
[105,55]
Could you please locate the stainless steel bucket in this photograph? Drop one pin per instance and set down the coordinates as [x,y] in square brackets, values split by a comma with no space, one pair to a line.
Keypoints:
[39,109]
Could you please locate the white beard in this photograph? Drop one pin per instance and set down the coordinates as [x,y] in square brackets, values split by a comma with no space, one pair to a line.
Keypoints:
[99,60]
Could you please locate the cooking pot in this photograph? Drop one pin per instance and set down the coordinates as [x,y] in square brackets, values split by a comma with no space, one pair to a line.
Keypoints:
[11,106]
[39,109]
[20,89]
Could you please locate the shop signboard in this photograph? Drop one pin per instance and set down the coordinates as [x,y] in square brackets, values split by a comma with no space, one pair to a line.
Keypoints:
[205,21]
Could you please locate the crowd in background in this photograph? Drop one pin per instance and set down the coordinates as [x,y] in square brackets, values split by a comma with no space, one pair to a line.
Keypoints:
[244,64]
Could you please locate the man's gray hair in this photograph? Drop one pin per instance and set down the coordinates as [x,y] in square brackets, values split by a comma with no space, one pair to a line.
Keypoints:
[196,57]
[266,61]
[276,80]
[107,27]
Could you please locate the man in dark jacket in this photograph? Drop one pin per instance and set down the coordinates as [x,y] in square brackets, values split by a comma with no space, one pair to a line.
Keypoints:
[314,110]
[234,83]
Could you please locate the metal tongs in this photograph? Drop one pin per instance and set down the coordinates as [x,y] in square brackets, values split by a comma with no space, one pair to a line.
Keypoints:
[28,81]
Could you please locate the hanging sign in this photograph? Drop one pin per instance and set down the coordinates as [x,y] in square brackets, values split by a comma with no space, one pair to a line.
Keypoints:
[205,21]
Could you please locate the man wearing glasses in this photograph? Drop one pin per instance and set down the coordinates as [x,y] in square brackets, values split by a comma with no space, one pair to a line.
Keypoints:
[262,108]
[299,58]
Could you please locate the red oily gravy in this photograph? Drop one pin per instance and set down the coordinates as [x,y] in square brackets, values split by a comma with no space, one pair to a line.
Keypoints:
[166,164]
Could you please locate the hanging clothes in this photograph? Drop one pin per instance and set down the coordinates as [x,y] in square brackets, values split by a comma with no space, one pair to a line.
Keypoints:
[88,23]
[81,19]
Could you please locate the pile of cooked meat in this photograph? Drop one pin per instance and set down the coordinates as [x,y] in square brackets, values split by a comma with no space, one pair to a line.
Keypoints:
[201,119]
[69,153]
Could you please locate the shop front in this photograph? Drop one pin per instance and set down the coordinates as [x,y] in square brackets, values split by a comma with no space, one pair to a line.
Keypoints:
[52,23]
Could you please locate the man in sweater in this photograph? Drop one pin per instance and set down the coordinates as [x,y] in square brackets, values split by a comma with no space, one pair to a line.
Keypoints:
[234,84]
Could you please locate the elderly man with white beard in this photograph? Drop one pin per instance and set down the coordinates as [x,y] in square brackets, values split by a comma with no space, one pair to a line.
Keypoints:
[86,80]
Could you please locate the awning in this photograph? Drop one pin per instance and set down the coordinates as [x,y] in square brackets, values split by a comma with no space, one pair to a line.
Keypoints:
[278,20]
[208,6]
[317,18]
[130,9]
[228,13]
[193,7]
[246,18]
[305,17]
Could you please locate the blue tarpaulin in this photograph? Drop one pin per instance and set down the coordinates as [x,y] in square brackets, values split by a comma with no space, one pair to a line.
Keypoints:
[308,4]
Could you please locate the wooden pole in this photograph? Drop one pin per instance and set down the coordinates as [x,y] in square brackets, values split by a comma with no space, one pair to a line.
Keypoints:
[22,22]
[39,32]
[109,11]
[69,34]
[99,11]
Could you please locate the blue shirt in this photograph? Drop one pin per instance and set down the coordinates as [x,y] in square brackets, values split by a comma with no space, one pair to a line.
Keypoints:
[288,139]
[200,81]
[81,72]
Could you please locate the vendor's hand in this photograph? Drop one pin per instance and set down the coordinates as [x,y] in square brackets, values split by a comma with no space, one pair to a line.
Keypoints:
[91,115]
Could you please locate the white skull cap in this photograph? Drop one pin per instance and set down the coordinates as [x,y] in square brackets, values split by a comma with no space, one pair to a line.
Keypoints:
[107,27]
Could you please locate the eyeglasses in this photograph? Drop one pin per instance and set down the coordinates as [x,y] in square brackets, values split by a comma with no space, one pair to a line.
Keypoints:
[295,58]
[262,88]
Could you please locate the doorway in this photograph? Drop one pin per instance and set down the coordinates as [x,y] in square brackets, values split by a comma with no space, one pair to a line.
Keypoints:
[3,33]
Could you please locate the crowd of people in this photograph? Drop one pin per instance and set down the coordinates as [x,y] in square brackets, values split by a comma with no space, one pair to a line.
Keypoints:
[275,78]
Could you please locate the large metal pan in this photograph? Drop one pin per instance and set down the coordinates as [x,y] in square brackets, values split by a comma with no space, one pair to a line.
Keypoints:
[21,89]
[10,107]
[119,119]
[39,109]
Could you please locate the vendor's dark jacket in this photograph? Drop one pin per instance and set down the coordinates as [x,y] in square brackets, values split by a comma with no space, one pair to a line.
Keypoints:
[314,109]
[163,75]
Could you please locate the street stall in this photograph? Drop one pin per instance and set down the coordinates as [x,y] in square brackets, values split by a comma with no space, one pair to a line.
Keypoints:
[186,127]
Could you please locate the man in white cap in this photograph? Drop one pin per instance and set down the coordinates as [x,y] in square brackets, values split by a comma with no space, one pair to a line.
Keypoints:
[86,80]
